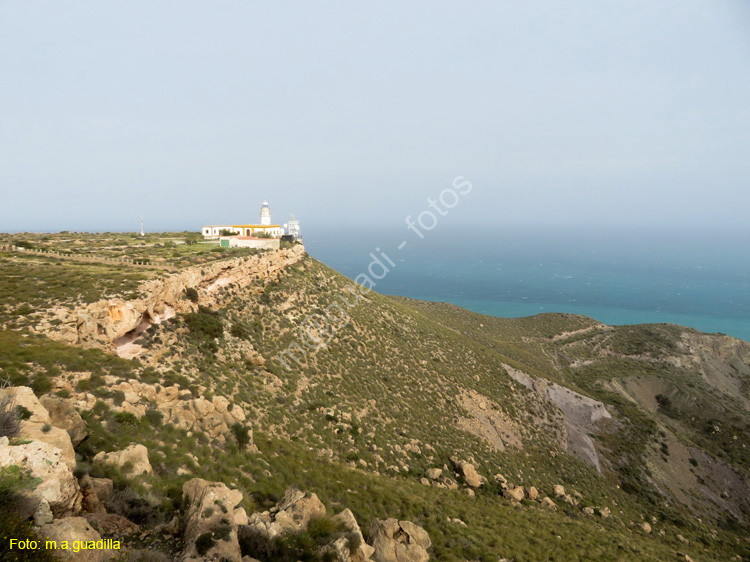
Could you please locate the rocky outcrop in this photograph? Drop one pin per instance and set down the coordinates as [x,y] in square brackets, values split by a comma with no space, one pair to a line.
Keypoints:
[38,426]
[210,522]
[23,397]
[76,530]
[111,322]
[398,541]
[55,482]
[62,414]
[215,417]
[352,547]
[133,460]
[291,514]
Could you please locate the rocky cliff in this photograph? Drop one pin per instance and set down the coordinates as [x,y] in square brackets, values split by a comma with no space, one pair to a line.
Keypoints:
[117,322]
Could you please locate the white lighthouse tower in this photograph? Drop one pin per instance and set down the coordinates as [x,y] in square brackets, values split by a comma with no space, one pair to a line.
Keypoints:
[265,214]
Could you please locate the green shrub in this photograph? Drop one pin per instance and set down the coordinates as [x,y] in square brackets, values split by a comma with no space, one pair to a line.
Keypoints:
[126,418]
[131,505]
[204,543]
[149,375]
[242,434]
[83,385]
[41,384]
[240,331]
[204,324]
[322,529]
[191,294]
[223,532]
[13,479]
[23,412]
[154,417]
[23,310]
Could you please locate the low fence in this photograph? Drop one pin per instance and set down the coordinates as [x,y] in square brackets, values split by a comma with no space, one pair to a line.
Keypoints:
[130,262]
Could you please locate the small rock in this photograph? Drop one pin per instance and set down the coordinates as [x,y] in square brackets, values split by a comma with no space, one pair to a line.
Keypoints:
[434,473]
[548,504]
[43,514]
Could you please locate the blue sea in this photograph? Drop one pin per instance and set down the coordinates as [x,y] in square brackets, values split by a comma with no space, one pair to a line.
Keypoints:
[696,279]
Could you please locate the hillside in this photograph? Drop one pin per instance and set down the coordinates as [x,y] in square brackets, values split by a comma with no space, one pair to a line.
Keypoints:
[553,437]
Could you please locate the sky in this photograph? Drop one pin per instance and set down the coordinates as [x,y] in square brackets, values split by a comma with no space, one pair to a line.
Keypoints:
[580,113]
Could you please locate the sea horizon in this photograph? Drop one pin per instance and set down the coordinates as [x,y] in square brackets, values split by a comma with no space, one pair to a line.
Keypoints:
[619,277]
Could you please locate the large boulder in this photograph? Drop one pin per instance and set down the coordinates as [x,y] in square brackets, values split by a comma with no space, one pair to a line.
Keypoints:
[515,495]
[63,415]
[54,436]
[133,460]
[78,534]
[292,513]
[24,397]
[468,473]
[39,426]
[297,508]
[55,481]
[210,528]
[398,541]
[103,488]
[352,547]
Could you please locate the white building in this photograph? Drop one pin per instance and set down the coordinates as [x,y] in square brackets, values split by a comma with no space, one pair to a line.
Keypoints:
[263,230]
[292,228]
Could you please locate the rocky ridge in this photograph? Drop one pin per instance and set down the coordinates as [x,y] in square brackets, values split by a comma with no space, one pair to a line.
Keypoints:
[116,322]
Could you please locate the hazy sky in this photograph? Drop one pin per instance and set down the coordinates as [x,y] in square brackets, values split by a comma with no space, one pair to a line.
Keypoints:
[578,112]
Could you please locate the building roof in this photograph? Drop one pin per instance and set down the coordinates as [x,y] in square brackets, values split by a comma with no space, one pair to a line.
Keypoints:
[256,226]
